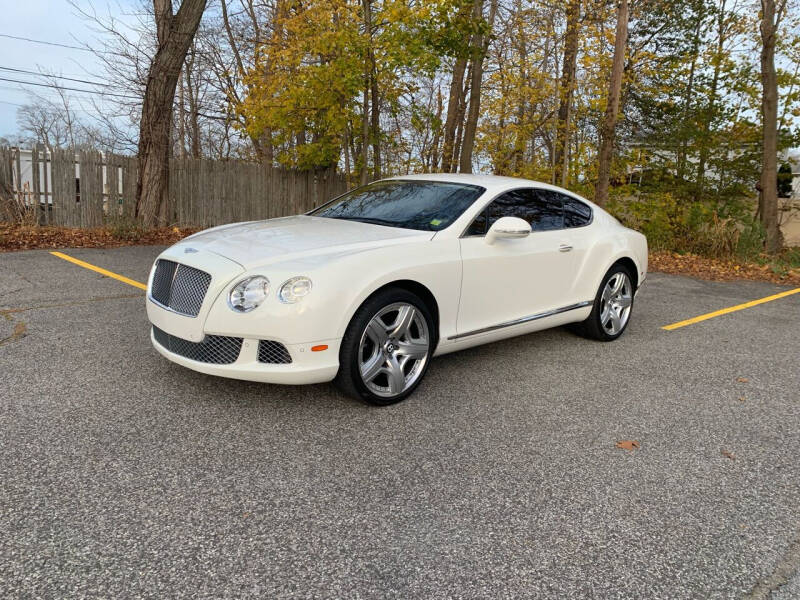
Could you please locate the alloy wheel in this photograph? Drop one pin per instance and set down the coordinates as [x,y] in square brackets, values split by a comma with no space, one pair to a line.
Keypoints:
[615,303]
[393,350]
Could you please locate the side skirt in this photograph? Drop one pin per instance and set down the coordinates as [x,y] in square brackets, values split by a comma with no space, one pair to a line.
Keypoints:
[529,318]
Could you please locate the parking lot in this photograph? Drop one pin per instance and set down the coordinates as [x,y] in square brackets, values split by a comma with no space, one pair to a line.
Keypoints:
[124,475]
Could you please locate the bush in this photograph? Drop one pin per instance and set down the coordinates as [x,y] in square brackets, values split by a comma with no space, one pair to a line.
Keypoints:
[126,229]
[659,216]
[686,226]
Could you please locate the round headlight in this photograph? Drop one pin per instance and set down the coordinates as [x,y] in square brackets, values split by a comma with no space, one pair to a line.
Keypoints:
[248,293]
[294,289]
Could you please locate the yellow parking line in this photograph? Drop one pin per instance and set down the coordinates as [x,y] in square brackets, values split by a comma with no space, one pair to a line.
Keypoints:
[730,309]
[91,267]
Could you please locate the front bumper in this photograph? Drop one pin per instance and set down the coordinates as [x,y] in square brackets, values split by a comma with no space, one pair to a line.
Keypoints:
[306,366]
[293,326]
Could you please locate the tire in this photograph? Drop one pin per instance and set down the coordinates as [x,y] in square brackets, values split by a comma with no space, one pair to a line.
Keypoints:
[594,326]
[387,347]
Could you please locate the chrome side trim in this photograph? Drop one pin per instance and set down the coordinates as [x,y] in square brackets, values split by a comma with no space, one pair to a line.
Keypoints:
[172,310]
[536,317]
[520,233]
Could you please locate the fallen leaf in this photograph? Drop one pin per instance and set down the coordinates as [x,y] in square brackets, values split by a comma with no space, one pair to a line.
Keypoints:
[627,444]
[722,269]
[741,398]
[727,454]
[742,379]
[24,237]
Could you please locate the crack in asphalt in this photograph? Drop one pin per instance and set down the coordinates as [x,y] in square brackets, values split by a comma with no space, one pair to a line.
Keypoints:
[17,334]
[9,311]
[6,293]
[784,570]
[21,328]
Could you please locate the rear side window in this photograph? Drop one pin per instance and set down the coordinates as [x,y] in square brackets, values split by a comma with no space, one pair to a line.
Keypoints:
[576,213]
[549,211]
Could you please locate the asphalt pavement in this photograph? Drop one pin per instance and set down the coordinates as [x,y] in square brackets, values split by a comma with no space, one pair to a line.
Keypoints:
[124,475]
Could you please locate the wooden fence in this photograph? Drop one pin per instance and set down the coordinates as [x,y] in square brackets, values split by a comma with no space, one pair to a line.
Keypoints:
[90,188]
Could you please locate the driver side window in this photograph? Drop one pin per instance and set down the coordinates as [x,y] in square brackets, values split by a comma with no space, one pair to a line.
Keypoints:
[545,212]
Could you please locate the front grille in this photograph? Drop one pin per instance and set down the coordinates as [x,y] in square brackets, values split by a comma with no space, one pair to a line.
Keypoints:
[215,349]
[179,287]
[273,352]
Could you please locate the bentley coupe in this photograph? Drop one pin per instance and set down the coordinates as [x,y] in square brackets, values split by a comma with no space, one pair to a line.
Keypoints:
[366,289]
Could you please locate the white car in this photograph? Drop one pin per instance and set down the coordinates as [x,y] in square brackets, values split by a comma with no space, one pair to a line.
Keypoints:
[366,289]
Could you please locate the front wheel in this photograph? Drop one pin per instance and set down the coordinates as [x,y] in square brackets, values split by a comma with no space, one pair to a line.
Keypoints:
[386,349]
[612,306]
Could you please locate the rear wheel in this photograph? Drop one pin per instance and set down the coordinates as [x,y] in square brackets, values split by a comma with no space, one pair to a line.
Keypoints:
[386,349]
[612,307]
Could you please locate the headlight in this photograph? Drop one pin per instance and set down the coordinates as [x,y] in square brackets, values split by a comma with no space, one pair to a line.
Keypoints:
[248,293]
[294,289]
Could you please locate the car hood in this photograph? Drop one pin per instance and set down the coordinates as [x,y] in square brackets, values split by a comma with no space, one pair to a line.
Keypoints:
[277,240]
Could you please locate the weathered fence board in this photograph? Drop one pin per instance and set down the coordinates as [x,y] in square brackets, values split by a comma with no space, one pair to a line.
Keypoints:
[89,188]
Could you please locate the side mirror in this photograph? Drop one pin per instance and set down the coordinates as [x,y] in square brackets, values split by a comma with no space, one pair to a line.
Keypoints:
[508,228]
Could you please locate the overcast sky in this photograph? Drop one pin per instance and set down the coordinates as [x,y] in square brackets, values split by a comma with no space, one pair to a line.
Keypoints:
[54,21]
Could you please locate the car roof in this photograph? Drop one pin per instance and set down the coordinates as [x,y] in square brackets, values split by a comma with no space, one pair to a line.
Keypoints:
[492,183]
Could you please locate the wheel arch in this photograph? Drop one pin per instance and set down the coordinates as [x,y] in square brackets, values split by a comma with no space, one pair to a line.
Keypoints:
[630,264]
[416,288]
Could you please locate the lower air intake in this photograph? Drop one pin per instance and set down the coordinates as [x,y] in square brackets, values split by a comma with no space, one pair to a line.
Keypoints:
[273,352]
[214,349]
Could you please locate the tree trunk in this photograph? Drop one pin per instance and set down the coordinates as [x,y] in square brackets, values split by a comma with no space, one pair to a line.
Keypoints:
[566,89]
[434,166]
[476,76]
[375,115]
[181,118]
[771,17]
[612,108]
[478,54]
[471,124]
[175,34]
[462,108]
[194,121]
[346,149]
[365,116]
[376,119]
[453,105]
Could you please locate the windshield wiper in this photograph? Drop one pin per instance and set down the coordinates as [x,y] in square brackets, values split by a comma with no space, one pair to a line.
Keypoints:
[370,220]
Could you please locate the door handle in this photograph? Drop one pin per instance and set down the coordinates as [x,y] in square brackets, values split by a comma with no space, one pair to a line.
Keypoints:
[564,248]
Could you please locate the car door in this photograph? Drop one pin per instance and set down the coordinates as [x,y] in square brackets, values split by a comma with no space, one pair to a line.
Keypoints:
[515,278]
[578,237]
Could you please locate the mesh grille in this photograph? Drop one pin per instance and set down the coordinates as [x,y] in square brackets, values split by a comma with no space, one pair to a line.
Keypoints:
[216,349]
[162,281]
[273,352]
[180,287]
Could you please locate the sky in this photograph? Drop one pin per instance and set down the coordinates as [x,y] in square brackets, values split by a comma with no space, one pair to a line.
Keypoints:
[53,21]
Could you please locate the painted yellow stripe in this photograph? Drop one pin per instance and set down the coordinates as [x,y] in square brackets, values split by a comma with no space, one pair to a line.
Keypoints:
[730,309]
[102,271]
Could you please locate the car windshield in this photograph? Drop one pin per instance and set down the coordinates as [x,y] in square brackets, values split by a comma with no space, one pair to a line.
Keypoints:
[422,205]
